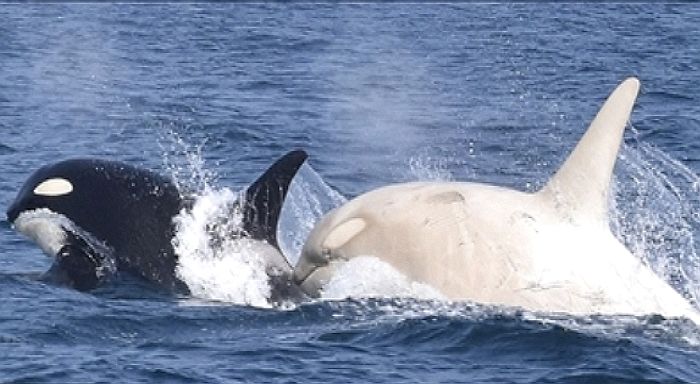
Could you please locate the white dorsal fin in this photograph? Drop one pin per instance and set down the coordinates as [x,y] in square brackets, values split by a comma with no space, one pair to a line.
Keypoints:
[580,187]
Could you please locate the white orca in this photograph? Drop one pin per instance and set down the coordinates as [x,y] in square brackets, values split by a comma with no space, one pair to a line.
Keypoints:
[549,251]
[99,217]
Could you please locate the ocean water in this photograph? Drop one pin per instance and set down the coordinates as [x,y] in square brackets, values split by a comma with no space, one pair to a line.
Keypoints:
[211,94]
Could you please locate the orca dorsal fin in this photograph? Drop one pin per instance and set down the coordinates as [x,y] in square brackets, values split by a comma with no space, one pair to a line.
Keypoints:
[264,198]
[580,188]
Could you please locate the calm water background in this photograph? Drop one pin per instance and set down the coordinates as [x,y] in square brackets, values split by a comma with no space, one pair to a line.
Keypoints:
[376,94]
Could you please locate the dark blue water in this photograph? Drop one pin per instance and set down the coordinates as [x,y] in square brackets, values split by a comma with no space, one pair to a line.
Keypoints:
[376,94]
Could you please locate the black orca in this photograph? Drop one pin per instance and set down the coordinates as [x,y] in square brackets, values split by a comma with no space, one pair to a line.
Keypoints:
[100,217]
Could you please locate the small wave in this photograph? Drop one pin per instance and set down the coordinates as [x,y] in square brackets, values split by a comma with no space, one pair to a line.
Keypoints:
[457,327]
[5,149]
[669,97]
[9,339]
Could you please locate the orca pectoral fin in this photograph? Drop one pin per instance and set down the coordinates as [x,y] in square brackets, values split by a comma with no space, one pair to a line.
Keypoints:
[79,266]
[265,197]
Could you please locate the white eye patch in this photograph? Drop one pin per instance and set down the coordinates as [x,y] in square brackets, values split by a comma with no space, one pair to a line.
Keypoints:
[344,233]
[54,187]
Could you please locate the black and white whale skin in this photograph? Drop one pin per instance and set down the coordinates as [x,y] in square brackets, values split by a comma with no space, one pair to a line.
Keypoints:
[100,217]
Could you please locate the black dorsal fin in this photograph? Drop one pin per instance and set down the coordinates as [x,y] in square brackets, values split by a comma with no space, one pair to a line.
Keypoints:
[264,198]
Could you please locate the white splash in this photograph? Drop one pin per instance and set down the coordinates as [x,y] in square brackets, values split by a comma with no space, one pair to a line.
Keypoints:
[212,261]
[367,276]
[656,215]
[185,163]
[426,168]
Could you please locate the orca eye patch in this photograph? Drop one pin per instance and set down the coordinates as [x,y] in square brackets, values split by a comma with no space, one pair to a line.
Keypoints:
[344,233]
[54,187]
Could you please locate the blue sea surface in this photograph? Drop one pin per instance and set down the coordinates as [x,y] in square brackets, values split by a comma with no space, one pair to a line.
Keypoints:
[211,94]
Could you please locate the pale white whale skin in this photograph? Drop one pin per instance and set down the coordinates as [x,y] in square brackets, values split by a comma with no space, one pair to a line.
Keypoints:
[549,251]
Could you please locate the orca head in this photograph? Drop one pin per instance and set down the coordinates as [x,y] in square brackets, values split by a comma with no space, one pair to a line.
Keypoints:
[42,208]
[79,210]
[329,244]
[96,195]
[66,190]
